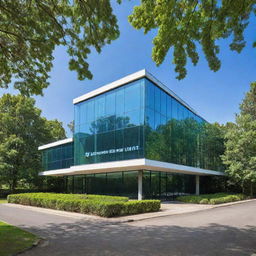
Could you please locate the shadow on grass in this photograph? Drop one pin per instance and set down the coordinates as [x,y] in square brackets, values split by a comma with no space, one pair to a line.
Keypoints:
[98,238]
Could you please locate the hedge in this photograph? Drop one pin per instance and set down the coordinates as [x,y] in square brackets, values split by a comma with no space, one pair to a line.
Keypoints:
[104,206]
[5,192]
[218,198]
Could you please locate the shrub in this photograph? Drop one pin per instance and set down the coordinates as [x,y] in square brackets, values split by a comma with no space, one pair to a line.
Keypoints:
[105,206]
[135,207]
[218,198]
[204,201]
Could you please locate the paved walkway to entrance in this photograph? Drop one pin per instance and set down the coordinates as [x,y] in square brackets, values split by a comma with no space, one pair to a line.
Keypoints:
[228,230]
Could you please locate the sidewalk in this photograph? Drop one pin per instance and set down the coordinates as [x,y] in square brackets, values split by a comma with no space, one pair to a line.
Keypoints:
[167,209]
[175,208]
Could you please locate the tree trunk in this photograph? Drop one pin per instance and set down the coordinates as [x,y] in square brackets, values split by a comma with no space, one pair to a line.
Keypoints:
[243,188]
[13,185]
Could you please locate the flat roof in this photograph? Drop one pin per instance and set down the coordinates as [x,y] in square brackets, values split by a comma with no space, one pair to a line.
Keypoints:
[130,165]
[128,79]
[56,143]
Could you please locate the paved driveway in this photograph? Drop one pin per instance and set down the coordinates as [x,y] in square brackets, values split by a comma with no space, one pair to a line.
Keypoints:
[221,231]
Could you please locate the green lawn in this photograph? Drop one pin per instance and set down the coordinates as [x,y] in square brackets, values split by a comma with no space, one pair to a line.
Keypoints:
[14,240]
[3,201]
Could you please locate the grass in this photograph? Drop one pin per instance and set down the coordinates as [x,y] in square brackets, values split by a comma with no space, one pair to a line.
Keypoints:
[3,201]
[14,240]
[218,198]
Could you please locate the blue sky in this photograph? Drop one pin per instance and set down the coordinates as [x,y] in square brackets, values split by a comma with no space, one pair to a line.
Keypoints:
[215,96]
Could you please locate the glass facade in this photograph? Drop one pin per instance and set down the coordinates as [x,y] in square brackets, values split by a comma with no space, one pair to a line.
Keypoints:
[136,120]
[58,157]
[110,127]
[155,184]
[140,120]
[175,134]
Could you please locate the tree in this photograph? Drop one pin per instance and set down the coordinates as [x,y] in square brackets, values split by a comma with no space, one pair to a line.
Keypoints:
[240,152]
[248,105]
[30,31]
[183,25]
[22,130]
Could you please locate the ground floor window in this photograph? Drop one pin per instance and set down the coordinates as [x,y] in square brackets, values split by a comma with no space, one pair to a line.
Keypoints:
[155,184]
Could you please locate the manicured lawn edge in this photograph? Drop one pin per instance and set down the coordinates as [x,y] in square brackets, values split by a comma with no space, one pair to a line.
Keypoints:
[3,200]
[15,240]
[218,198]
[104,206]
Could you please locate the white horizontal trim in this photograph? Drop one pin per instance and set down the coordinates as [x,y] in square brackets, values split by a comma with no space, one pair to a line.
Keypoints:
[164,166]
[130,165]
[108,87]
[128,79]
[56,143]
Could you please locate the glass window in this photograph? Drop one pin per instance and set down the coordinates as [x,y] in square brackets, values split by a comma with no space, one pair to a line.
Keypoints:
[132,96]
[82,115]
[131,142]
[174,109]
[130,184]
[108,125]
[90,111]
[180,110]
[86,129]
[119,144]
[163,120]
[122,121]
[169,107]
[77,112]
[111,122]
[76,129]
[133,117]
[142,93]
[110,103]
[157,99]
[150,95]
[185,113]
[163,103]
[100,106]
[56,157]
[150,118]
[101,125]
[119,101]
[157,120]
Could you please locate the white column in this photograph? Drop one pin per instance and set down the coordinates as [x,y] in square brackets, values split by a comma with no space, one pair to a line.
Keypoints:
[140,175]
[197,185]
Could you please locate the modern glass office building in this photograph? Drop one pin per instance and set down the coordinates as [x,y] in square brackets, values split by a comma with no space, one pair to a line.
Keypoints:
[133,137]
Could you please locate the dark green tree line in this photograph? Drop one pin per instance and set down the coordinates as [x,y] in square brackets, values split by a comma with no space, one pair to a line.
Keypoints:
[240,153]
[22,130]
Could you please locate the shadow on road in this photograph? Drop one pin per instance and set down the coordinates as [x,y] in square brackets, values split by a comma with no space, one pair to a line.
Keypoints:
[101,238]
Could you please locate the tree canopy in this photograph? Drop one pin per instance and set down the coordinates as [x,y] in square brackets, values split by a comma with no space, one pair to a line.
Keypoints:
[184,25]
[30,31]
[240,153]
[22,130]
[248,105]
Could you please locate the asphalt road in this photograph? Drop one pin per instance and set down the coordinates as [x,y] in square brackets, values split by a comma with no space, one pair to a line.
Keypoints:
[229,230]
